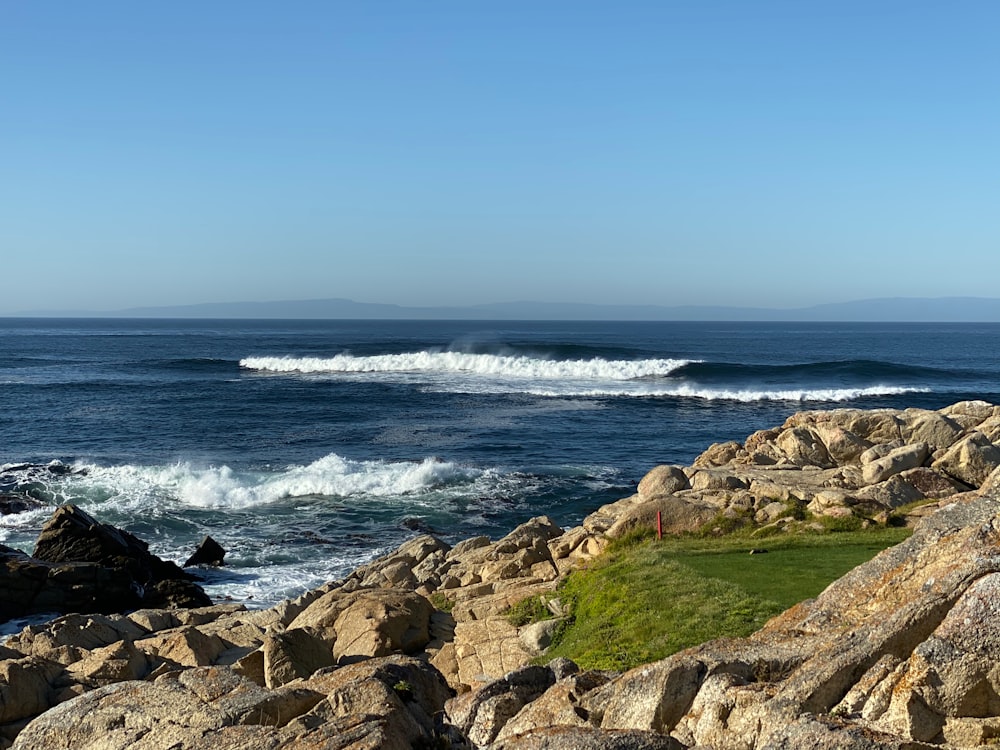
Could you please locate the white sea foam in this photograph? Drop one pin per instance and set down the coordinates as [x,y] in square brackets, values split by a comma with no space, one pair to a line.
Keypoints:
[728,394]
[223,487]
[490,365]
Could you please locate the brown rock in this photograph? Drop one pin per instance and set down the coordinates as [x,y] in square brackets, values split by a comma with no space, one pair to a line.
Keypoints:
[382,624]
[293,654]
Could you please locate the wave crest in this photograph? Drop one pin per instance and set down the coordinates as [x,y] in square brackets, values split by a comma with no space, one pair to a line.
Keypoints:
[491,365]
[224,487]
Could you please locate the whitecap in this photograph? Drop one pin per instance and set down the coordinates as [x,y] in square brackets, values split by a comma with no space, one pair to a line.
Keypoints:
[489,365]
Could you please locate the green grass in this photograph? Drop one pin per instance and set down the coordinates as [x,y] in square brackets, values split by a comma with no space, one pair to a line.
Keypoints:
[645,600]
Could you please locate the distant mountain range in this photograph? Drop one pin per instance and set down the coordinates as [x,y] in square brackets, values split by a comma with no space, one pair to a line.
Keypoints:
[903,309]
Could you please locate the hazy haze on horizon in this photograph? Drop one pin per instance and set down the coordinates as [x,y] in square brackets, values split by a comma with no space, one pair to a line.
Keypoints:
[771,154]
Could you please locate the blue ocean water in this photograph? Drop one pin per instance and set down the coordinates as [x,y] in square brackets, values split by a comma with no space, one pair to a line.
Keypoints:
[307,447]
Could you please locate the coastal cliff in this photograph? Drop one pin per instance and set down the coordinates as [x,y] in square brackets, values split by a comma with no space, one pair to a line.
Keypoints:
[416,649]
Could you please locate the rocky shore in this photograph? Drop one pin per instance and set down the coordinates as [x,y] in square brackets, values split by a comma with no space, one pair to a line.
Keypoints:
[416,649]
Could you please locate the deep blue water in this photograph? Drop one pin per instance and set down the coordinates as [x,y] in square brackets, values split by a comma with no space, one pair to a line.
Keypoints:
[306,447]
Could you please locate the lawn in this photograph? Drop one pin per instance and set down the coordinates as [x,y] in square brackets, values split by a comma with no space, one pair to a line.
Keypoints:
[646,600]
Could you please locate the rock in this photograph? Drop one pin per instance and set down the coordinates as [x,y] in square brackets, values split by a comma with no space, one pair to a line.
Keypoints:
[978,410]
[587,738]
[716,480]
[970,460]
[294,654]
[803,447]
[481,715]
[209,552]
[124,574]
[932,483]
[25,687]
[663,480]
[933,428]
[720,454]
[397,697]
[677,516]
[537,636]
[894,462]
[30,586]
[559,705]
[892,493]
[66,639]
[11,504]
[71,535]
[118,662]
[655,696]
[842,445]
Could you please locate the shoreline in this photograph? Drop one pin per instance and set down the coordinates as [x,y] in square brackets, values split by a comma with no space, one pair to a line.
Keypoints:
[438,612]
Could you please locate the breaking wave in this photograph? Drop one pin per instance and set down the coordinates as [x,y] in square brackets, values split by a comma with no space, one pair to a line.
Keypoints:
[491,365]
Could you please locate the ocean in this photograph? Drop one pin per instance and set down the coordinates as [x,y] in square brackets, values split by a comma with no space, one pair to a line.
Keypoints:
[307,448]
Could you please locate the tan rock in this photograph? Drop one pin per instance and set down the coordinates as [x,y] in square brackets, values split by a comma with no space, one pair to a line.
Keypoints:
[676,516]
[187,646]
[720,454]
[663,480]
[892,493]
[894,462]
[115,663]
[655,696]
[803,447]
[970,460]
[25,687]
[293,654]
[708,480]
[979,410]
[930,427]
[559,705]
[382,622]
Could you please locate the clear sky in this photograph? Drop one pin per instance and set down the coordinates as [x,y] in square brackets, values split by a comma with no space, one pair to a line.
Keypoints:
[667,152]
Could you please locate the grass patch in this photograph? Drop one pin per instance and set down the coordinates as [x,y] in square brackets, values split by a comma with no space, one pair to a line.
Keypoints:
[441,602]
[527,611]
[645,601]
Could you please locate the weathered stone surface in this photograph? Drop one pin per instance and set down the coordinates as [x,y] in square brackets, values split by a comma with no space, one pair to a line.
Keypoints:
[894,462]
[586,738]
[559,705]
[293,654]
[378,624]
[390,701]
[117,662]
[933,428]
[970,460]
[719,454]
[842,445]
[655,696]
[803,447]
[716,479]
[663,480]
[677,516]
[25,687]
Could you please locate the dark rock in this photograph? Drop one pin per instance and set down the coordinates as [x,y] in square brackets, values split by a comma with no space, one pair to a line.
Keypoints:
[209,552]
[71,535]
[81,565]
[10,504]
[30,586]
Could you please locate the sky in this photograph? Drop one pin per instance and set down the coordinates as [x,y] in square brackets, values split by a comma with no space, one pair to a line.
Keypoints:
[718,152]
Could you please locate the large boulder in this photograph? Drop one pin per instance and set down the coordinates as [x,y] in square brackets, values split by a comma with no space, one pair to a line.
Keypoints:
[73,536]
[663,480]
[896,461]
[970,460]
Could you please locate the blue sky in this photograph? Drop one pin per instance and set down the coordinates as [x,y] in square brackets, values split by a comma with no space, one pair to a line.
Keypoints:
[771,154]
